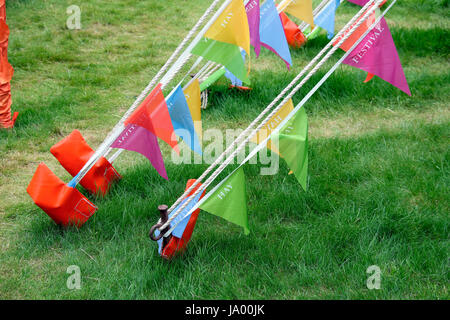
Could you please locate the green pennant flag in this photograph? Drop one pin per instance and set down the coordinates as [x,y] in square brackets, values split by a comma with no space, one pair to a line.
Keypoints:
[293,145]
[225,54]
[229,200]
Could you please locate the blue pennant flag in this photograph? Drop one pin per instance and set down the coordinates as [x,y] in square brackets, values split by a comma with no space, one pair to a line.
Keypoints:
[182,122]
[235,81]
[272,33]
[325,19]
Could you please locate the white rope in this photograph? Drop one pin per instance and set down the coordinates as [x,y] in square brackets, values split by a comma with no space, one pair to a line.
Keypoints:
[201,74]
[176,66]
[283,123]
[285,90]
[210,72]
[289,96]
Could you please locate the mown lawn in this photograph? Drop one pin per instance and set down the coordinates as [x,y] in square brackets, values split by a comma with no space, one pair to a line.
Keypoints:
[378,176]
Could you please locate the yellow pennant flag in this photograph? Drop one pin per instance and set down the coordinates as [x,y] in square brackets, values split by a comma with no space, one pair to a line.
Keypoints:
[272,124]
[302,9]
[192,94]
[232,26]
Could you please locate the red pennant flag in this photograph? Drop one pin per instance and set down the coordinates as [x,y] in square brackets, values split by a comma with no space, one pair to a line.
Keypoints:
[154,116]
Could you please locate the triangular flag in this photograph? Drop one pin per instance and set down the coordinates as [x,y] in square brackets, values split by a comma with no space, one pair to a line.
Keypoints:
[359,2]
[232,26]
[377,54]
[182,120]
[292,141]
[235,81]
[253,16]
[153,115]
[272,32]
[325,18]
[347,44]
[138,139]
[223,53]
[179,229]
[363,2]
[272,124]
[194,101]
[229,200]
[301,9]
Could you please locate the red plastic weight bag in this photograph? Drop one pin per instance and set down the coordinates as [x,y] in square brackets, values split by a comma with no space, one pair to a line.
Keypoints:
[73,152]
[178,245]
[65,205]
[294,35]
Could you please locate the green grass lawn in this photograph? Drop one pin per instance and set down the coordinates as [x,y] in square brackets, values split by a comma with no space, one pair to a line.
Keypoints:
[378,175]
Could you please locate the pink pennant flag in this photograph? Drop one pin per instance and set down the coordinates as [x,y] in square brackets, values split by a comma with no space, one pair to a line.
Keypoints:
[363,2]
[359,2]
[253,15]
[139,139]
[378,55]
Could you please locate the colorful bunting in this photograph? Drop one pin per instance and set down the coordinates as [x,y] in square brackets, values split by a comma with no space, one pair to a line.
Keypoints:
[229,200]
[272,124]
[235,81]
[272,32]
[182,120]
[292,141]
[193,99]
[232,26]
[154,116]
[253,15]
[325,18]
[301,9]
[378,55]
[138,139]
[223,53]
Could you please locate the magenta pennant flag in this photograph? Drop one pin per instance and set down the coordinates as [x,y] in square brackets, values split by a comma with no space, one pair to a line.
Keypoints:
[253,15]
[138,139]
[359,2]
[378,55]
[362,3]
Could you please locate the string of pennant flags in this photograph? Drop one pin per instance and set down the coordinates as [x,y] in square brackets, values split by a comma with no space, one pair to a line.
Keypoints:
[221,41]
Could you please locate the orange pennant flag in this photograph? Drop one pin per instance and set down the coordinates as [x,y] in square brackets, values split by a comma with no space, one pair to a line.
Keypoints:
[154,116]
[358,32]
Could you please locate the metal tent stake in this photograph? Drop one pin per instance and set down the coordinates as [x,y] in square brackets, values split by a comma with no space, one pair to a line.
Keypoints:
[164,216]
